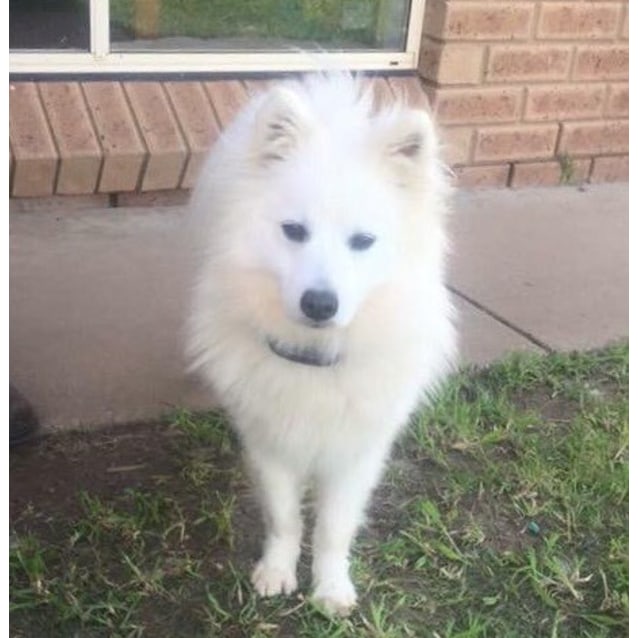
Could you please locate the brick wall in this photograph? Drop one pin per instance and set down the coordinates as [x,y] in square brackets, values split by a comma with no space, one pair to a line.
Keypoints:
[529,92]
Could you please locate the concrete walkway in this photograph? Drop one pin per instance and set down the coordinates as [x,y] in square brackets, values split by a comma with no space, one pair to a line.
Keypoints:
[97,295]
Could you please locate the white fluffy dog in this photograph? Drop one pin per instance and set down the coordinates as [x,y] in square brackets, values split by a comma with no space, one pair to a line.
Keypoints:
[320,315]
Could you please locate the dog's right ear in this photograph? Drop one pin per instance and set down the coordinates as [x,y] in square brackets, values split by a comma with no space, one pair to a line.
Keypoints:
[409,145]
[280,123]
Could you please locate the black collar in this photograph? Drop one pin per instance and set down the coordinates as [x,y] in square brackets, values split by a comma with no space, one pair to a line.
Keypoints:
[306,355]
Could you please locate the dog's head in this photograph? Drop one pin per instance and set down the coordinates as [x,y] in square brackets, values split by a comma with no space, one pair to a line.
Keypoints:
[329,186]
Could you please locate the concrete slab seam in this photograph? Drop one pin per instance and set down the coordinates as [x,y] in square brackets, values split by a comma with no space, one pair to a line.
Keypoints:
[502,320]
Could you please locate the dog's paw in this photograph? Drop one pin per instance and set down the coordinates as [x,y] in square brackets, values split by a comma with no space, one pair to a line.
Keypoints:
[270,580]
[337,597]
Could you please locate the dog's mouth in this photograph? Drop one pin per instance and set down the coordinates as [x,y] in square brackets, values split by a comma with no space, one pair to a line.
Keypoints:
[306,355]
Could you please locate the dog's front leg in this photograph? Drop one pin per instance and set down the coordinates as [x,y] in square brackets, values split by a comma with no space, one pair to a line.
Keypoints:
[343,493]
[280,491]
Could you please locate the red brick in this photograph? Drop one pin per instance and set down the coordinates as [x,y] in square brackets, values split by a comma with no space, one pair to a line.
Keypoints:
[123,149]
[227,97]
[79,150]
[618,100]
[464,106]
[430,59]
[564,101]
[578,20]
[594,138]
[166,147]
[550,173]
[521,63]
[602,62]
[449,63]
[153,198]
[457,144]
[483,21]
[435,17]
[197,121]
[410,91]
[520,142]
[610,169]
[34,152]
[482,176]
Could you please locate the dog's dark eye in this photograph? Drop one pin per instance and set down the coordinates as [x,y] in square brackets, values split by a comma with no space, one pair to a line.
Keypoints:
[361,241]
[295,232]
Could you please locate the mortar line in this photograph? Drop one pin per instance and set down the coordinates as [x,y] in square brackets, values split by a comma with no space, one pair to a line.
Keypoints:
[502,320]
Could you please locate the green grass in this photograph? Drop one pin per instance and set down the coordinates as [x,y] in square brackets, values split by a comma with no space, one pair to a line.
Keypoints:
[504,513]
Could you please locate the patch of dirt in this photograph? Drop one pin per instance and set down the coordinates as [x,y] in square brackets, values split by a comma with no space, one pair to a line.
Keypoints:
[47,474]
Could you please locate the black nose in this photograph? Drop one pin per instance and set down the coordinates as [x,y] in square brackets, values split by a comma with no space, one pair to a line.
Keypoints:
[319,305]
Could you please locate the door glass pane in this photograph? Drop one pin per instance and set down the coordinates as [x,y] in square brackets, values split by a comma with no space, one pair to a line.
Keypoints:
[49,24]
[253,25]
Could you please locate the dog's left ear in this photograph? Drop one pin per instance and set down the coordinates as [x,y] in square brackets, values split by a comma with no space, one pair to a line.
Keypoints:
[408,144]
[280,124]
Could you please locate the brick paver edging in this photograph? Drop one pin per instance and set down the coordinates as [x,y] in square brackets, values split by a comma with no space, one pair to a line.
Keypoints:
[107,137]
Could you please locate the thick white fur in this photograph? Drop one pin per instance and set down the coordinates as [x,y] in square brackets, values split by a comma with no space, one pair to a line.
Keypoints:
[314,152]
